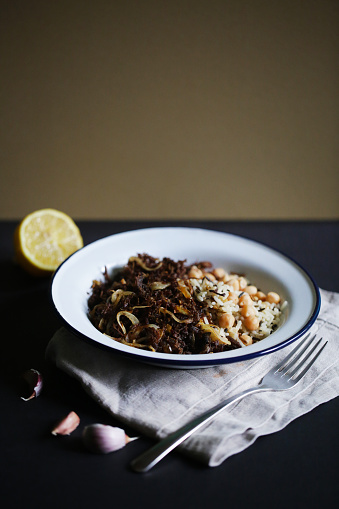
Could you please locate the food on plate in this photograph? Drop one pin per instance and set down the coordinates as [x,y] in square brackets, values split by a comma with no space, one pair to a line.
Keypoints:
[44,239]
[171,307]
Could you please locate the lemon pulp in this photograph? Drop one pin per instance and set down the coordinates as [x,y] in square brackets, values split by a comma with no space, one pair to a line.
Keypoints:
[44,239]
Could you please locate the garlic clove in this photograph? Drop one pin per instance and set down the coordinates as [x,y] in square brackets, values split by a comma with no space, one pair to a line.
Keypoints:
[102,438]
[66,425]
[34,383]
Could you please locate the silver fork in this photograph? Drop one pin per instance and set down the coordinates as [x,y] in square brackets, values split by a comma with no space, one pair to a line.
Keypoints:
[281,377]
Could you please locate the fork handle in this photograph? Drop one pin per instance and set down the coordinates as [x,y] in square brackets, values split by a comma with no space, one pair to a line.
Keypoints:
[152,456]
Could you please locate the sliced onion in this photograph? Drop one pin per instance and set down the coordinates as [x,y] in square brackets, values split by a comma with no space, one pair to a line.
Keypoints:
[182,310]
[118,294]
[134,332]
[183,288]
[165,311]
[97,306]
[137,345]
[158,285]
[142,264]
[128,315]
[115,339]
[214,331]
[101,325]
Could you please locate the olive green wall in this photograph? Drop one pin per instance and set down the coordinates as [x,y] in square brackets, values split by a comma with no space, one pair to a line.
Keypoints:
[170,109]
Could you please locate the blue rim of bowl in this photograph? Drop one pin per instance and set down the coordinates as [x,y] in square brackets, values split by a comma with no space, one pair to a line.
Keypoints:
[193,362]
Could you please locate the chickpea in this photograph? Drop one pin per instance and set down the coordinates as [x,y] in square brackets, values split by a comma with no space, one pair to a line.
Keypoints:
[219,273]
[233,297]
[232,276]
[261,295]
[242,283]
[195,273]
[247,311]
[245,300]
[234,283]
[273,298]
[252,322]
[209,276]
[251,289]
[226,320]
[246,339]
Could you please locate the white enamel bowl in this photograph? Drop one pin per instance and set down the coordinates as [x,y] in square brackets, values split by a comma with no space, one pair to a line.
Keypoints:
[268,269]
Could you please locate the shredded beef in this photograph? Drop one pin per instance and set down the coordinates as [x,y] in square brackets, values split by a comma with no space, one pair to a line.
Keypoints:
[155,309]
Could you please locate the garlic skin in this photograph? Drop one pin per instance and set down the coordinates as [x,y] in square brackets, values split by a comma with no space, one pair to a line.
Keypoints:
[66,425]
[34,382]
[102,438]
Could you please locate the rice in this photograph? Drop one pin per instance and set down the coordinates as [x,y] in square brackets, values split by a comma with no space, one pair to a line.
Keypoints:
[215,296]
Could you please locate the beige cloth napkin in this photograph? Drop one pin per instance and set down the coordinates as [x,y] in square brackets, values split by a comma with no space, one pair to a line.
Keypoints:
[155,401]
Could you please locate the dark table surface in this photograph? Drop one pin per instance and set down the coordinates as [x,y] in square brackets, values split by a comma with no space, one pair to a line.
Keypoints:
[297,467]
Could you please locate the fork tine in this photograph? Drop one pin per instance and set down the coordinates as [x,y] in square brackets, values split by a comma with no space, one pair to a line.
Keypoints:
[307,367]
[295,359]
[290,355]
[288,370]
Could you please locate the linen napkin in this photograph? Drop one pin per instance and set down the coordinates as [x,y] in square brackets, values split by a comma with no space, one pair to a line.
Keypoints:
[155,401]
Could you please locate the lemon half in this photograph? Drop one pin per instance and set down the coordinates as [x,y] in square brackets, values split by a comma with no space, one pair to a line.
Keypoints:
[44,239]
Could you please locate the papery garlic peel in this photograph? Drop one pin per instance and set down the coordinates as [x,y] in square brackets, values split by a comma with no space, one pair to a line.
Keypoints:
[66,425]
[34,381]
